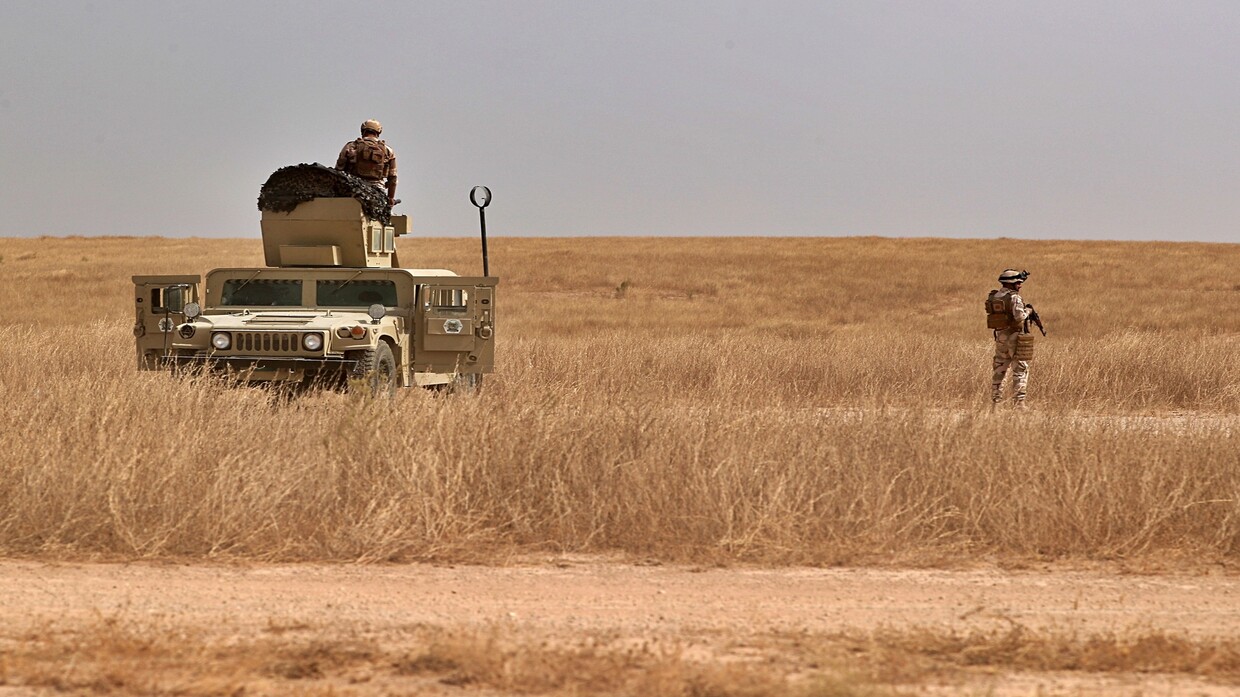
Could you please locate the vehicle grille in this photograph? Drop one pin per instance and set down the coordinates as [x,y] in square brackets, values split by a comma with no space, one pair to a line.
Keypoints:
[266,342]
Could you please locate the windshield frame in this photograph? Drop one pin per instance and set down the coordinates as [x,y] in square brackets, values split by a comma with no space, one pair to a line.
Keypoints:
[215,280]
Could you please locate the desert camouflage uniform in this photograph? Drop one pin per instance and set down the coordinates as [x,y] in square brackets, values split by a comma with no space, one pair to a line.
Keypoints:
[377,174]
[1005,351]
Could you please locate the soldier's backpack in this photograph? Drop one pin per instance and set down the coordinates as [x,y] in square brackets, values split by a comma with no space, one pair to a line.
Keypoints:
[372,158]
[1000,310]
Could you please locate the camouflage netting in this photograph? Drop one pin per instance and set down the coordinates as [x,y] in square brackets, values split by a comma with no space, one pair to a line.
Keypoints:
[289,186]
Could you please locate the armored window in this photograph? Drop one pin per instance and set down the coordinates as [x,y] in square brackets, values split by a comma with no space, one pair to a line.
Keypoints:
[449,298]
[259,292]
[356,293]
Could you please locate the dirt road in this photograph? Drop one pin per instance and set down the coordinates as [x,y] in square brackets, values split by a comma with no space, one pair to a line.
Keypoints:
[564,599]
[589,595]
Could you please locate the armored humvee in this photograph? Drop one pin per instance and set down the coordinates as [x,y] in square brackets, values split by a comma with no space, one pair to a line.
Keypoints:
[333,306]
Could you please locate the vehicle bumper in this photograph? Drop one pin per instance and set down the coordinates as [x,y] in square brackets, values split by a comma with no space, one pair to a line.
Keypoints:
[268,368]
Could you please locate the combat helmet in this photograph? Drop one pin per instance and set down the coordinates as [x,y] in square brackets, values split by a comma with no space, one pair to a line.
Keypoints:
[372,125]
[1013,276]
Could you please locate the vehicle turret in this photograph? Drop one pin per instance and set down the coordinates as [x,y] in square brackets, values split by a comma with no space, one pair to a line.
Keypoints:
[326,232]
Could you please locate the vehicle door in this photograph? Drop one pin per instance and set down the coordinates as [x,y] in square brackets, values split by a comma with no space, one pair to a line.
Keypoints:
[456,326]
[159,307]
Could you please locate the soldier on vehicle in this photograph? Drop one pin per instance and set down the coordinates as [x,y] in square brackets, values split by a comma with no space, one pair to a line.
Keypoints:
[371,159]
[1006,313]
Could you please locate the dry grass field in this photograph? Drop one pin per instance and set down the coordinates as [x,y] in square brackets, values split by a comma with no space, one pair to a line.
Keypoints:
[778,401]
[714,402]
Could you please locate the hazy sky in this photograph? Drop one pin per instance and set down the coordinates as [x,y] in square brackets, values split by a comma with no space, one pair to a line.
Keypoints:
[1024,119]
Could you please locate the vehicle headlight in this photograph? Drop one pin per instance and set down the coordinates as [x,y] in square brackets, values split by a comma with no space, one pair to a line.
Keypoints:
[221,340]
[192,310]
[312,342]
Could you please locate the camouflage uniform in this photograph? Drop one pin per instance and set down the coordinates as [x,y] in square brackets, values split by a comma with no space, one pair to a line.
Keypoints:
[1005,350]
[377,173]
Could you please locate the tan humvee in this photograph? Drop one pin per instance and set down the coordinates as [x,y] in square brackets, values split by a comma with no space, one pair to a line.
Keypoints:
[331,305]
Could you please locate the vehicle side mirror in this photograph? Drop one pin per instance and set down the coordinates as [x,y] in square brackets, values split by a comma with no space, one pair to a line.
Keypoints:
[174,298]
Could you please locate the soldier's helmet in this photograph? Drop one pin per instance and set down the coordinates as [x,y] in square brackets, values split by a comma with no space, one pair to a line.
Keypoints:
[1013,276]
[372,125]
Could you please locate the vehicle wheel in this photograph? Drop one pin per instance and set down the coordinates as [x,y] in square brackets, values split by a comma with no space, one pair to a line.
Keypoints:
[375,371]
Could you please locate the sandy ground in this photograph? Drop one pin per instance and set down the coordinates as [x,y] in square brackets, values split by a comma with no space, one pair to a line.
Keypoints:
[566,598]
[566,595]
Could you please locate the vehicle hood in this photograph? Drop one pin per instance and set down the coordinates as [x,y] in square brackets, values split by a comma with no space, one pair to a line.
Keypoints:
[288,320]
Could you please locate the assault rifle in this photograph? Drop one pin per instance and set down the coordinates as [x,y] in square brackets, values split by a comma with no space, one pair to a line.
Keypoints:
[1036,319]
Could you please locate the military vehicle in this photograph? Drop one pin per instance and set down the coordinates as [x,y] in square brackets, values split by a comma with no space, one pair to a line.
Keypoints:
[333,306]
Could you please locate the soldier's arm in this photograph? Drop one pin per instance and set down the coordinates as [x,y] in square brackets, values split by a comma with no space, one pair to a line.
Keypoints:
[1019,310]
[342,161]
[391,177]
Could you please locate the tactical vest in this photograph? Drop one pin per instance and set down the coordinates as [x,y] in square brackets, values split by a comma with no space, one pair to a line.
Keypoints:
[372,158]
[1000,310]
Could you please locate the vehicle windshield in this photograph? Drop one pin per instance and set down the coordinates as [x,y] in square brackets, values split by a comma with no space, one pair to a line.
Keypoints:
[262,291]
[355,293]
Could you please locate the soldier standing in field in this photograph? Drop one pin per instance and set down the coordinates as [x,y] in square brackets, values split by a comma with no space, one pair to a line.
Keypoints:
[371,159]
[1006,313]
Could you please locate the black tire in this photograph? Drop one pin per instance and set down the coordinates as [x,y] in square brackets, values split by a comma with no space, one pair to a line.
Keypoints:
[375,371]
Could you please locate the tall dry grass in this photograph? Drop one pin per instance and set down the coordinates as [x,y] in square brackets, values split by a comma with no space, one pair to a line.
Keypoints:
[770,400]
